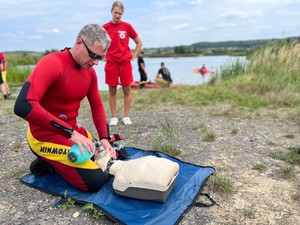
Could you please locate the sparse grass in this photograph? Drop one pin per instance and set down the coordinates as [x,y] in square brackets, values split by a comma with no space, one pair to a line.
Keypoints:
[209,136]
[220,184]
[168,149]
[17,173]
[259,167]
[287,171]
[248,213]
[87,208]
[167,127]
[67,204]
[202,127]
[272,143]
[234,131]
[291,136]
[95,213]
[277,155]
[162,142]
[292,157]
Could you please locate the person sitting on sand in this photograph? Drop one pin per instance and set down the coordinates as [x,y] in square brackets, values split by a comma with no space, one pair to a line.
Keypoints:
[163,77]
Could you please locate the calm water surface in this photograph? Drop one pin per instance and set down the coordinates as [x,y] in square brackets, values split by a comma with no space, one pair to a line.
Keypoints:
[181,68]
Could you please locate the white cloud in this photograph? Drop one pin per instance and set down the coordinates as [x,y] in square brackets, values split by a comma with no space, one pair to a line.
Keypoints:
[35,37]
[159,23]
[53,30]
[180,26]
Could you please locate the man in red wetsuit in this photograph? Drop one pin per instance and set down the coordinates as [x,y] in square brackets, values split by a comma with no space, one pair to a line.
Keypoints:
[50,100]
[4,86]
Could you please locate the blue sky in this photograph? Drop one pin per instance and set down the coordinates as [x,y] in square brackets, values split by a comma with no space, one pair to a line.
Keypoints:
[35,25]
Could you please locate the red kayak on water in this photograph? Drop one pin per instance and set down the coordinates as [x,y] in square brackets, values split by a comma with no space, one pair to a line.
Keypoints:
[204,71]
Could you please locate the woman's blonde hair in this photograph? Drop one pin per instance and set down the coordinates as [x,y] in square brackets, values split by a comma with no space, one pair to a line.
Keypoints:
[117,4]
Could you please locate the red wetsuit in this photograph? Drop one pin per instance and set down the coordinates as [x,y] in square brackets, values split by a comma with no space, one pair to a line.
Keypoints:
[3,59]
[3,72]
[53,92]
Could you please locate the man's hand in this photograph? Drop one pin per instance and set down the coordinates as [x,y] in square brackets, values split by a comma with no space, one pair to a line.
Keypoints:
[81,140]
[109,148]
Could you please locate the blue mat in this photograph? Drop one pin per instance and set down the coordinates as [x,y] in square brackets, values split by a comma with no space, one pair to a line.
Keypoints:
[124,210]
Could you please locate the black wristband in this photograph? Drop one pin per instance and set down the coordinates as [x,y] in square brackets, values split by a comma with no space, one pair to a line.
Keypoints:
[68,132]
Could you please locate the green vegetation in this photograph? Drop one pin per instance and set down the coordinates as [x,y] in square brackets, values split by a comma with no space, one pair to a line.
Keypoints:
[234,131]
[220,184]
[270,78]
[160,145]
[248,213]
[259,167]
[163,142]
[90,209]
[291,159]
[20,64]
[209,136]
[69,203]
[287,171]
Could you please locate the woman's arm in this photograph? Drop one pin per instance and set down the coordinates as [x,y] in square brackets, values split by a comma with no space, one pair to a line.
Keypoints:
[138,47]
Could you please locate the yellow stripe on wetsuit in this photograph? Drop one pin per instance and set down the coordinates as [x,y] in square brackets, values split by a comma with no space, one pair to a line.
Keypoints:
[4,75]
[57,152]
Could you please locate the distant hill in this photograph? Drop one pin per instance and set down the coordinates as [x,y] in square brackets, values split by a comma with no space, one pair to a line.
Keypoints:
[212,48]
[229,44]
[236,44]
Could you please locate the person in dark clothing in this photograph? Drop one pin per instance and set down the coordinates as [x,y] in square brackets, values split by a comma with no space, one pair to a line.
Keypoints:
[163,77]
[142,69]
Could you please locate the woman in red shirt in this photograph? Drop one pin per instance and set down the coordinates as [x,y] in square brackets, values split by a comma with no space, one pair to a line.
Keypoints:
[118,67]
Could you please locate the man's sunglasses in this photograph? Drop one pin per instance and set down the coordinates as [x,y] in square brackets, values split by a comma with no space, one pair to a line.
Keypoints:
[92,54]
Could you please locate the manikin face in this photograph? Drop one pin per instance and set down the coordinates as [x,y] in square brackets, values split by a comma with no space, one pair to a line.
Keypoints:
[116,13]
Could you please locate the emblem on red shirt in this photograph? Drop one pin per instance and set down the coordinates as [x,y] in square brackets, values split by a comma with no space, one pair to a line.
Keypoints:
[122,34]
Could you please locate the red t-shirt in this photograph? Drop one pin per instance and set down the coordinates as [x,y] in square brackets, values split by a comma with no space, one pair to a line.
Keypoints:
[54,91]
[120,33]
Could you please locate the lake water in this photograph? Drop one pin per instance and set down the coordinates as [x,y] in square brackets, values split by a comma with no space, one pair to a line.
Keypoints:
[181,68]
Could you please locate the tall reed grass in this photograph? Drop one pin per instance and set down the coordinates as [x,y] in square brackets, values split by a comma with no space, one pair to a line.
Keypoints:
[276,67]
[268,78]
[19,66]
[18,74]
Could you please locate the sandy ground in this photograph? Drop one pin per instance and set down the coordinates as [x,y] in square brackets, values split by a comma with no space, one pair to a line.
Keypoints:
[243,139]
